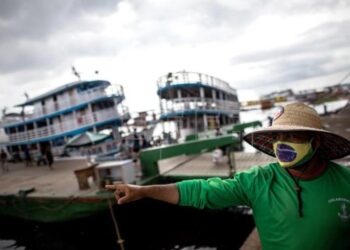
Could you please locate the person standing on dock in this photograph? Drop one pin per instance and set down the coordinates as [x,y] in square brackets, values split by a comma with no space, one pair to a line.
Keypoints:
[27,158]
[301,201]
[136,143]
[135,153]
[3,159]
[49,157]
[218,132]
[123,150]
[144,143]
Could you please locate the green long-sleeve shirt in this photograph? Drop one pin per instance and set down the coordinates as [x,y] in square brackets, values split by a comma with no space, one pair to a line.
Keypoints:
[269,191]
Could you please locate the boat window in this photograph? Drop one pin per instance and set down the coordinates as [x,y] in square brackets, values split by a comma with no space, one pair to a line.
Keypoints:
[208,93]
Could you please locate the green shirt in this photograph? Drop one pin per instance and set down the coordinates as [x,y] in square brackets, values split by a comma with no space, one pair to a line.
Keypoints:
[269,191]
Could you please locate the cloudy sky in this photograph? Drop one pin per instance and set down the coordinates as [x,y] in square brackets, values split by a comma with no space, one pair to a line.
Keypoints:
[258,46]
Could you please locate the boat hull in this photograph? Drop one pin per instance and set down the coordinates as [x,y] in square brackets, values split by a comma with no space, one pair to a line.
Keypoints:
[43,209]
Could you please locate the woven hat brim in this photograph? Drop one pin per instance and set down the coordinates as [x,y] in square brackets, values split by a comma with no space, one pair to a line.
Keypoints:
[333,146]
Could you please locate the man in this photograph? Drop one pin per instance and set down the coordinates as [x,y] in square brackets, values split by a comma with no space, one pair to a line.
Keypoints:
[144,143]
[3,159]
[49,157]
[28,157]
[300,202]
[218,132]
[123,150]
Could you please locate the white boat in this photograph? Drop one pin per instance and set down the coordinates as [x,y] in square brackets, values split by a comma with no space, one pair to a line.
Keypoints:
[51,119]
[197,103]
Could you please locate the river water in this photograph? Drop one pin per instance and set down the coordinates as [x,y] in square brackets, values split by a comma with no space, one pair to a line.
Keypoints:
[145,224]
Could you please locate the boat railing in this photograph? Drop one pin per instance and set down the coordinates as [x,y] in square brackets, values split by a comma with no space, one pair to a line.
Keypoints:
[69,101]
[66,126]
[87,96]
[183,104]
[184,77]
[149,157]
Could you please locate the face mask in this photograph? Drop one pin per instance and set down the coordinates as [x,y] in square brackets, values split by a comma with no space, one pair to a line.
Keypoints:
[291,154]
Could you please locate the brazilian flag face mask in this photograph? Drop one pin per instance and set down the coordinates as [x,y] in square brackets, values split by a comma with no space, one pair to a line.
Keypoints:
[291,154]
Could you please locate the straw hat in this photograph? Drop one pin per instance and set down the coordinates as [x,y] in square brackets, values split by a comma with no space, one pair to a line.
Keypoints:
[299,117]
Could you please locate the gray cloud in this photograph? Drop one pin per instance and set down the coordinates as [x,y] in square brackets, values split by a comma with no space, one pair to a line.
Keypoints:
[324,39]
[299,7]
[40,34]
[322,50]
[201,20]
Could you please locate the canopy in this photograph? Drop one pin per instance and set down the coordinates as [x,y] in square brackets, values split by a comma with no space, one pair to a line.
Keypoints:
[87,139]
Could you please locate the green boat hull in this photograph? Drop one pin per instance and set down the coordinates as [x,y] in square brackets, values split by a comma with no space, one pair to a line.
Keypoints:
[43,209]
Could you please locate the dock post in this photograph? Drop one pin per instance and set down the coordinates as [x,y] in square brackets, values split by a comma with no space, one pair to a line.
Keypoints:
[231,161]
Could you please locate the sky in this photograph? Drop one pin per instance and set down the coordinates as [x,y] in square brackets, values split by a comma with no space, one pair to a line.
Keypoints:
[258,46]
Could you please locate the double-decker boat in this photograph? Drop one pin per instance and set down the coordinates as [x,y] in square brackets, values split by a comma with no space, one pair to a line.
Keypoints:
[196,102]
[49,120]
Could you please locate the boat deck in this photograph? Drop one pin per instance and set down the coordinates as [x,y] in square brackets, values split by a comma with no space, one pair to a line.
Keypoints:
[58,182]
[203,166]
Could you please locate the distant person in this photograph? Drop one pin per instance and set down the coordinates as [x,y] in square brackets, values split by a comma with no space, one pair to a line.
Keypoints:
[42,157]
[217,156]
[3,159]
[136,144]
[144,142]
[301,201]
[28,158]
[123,150]
[49,157]
[135,153]
[218,132]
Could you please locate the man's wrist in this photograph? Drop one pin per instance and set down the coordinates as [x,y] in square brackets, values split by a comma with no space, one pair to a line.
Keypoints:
[144,191]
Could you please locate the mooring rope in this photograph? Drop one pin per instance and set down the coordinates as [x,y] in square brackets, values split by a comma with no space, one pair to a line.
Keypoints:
[120,241]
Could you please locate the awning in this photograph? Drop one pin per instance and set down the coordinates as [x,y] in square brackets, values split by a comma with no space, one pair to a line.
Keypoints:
[86,139]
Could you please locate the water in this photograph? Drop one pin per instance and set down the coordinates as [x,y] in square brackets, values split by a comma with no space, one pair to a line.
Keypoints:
[145,224]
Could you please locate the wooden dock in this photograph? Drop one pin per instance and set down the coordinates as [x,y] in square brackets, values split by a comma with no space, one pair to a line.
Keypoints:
[61,181]
[57,182]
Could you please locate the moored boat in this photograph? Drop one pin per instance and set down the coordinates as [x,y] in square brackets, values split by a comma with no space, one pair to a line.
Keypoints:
[74,188]
[48,121]
[196,102]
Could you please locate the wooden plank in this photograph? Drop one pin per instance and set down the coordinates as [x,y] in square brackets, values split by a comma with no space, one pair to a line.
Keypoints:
[203,165]
[167,164]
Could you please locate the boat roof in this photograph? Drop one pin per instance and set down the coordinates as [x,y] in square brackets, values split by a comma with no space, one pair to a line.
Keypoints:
[192,79]
[61,89]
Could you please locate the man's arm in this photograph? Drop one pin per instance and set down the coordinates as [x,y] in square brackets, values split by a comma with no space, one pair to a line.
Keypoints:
[125,193]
